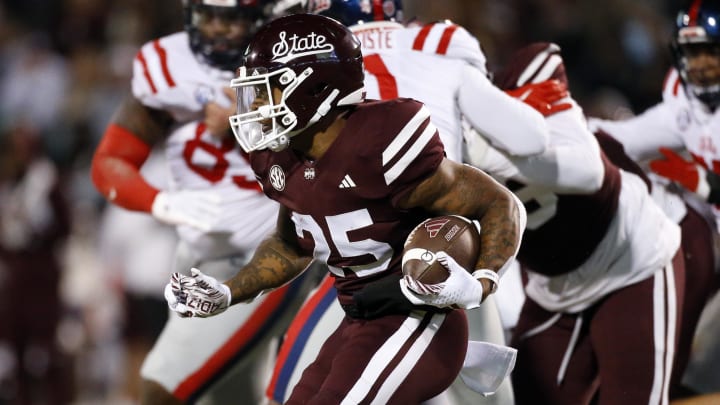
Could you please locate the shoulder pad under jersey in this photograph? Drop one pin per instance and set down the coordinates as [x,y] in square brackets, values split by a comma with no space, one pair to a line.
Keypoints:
[400,131]
[446,39]
[167,76]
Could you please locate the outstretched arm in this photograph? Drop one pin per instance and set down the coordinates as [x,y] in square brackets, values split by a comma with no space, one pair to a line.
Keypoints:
[117,161]
[123,149]
[277,261]
[515,127]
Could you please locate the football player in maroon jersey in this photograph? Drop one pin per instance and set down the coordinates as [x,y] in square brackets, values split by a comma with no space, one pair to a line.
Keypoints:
[442,65]
[353,178]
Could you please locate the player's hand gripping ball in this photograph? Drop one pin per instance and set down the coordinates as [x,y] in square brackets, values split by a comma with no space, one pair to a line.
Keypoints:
[457,236]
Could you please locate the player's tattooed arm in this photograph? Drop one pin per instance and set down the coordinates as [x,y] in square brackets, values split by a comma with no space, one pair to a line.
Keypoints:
[464,190]
[148,124]
[276,261]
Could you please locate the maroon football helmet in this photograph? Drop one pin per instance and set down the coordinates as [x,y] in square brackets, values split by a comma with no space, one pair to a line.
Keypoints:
[297,71]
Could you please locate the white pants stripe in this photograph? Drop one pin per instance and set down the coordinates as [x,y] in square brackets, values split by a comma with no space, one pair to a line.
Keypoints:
[398,375]
[386,354]
[664,321]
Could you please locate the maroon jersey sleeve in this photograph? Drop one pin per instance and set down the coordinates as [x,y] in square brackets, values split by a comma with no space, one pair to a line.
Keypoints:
[406,143]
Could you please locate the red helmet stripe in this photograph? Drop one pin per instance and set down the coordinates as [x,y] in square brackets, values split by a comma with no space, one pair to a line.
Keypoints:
[378,14]
[693,13]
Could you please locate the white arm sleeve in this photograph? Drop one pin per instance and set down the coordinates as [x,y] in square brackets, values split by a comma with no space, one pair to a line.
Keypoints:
[642,135]
[572,162]
[507,123]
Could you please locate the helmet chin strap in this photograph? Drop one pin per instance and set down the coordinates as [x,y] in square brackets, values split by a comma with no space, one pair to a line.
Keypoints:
[325,107]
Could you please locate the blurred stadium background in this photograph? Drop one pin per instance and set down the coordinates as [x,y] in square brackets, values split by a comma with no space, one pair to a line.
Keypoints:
[65,65]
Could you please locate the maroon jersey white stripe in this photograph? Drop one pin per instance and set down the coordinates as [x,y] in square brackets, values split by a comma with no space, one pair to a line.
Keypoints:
[343,204]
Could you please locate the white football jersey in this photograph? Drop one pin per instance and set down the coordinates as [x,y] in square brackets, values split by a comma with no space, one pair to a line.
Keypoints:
[167,76]
[678,122]
[552,184]
[199,161]
[433,64]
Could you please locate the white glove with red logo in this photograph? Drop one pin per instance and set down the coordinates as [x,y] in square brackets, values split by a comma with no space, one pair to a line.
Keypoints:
[460,289]
[198,295]
[198,208]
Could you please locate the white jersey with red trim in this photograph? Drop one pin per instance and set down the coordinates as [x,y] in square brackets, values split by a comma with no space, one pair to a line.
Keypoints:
[239,342]
[167,76]
[442,65]
[679,122]
[199,161]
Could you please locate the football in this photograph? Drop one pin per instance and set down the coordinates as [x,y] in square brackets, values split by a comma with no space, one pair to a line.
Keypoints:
[457,236]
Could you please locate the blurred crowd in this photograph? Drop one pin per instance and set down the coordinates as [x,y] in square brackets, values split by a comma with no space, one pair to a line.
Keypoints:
[68,261]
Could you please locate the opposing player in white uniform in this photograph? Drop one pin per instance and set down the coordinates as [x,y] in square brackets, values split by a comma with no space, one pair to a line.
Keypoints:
[601,316]
[687,122]
[442,65]
[180,97]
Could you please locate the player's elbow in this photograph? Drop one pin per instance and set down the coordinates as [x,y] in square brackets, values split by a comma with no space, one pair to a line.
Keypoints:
[589,179]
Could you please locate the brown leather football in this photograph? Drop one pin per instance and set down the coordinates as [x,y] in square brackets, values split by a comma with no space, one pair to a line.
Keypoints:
[457,236]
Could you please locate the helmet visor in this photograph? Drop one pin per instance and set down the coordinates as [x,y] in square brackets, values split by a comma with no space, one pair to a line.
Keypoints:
[259,109]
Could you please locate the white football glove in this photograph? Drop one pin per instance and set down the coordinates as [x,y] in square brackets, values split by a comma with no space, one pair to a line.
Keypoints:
[198,208]
[460,289]
[198,295]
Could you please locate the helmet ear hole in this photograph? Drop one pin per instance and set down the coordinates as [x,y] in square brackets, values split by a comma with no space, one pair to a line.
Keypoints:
[318,89]
[286,77]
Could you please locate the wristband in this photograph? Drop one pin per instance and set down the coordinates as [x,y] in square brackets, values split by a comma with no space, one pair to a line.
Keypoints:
[489,275]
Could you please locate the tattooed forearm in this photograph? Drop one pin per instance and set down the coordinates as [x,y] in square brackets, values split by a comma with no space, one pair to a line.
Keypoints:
[467,191]
[272,265]
[480,197]
[501,233]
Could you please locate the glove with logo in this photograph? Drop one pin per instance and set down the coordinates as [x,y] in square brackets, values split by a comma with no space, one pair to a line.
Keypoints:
[543,96]
[198,295]
[198,208]
[460,289]
[689,174]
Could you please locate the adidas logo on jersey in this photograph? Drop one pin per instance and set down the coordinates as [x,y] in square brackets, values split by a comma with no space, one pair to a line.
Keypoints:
[347,182]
